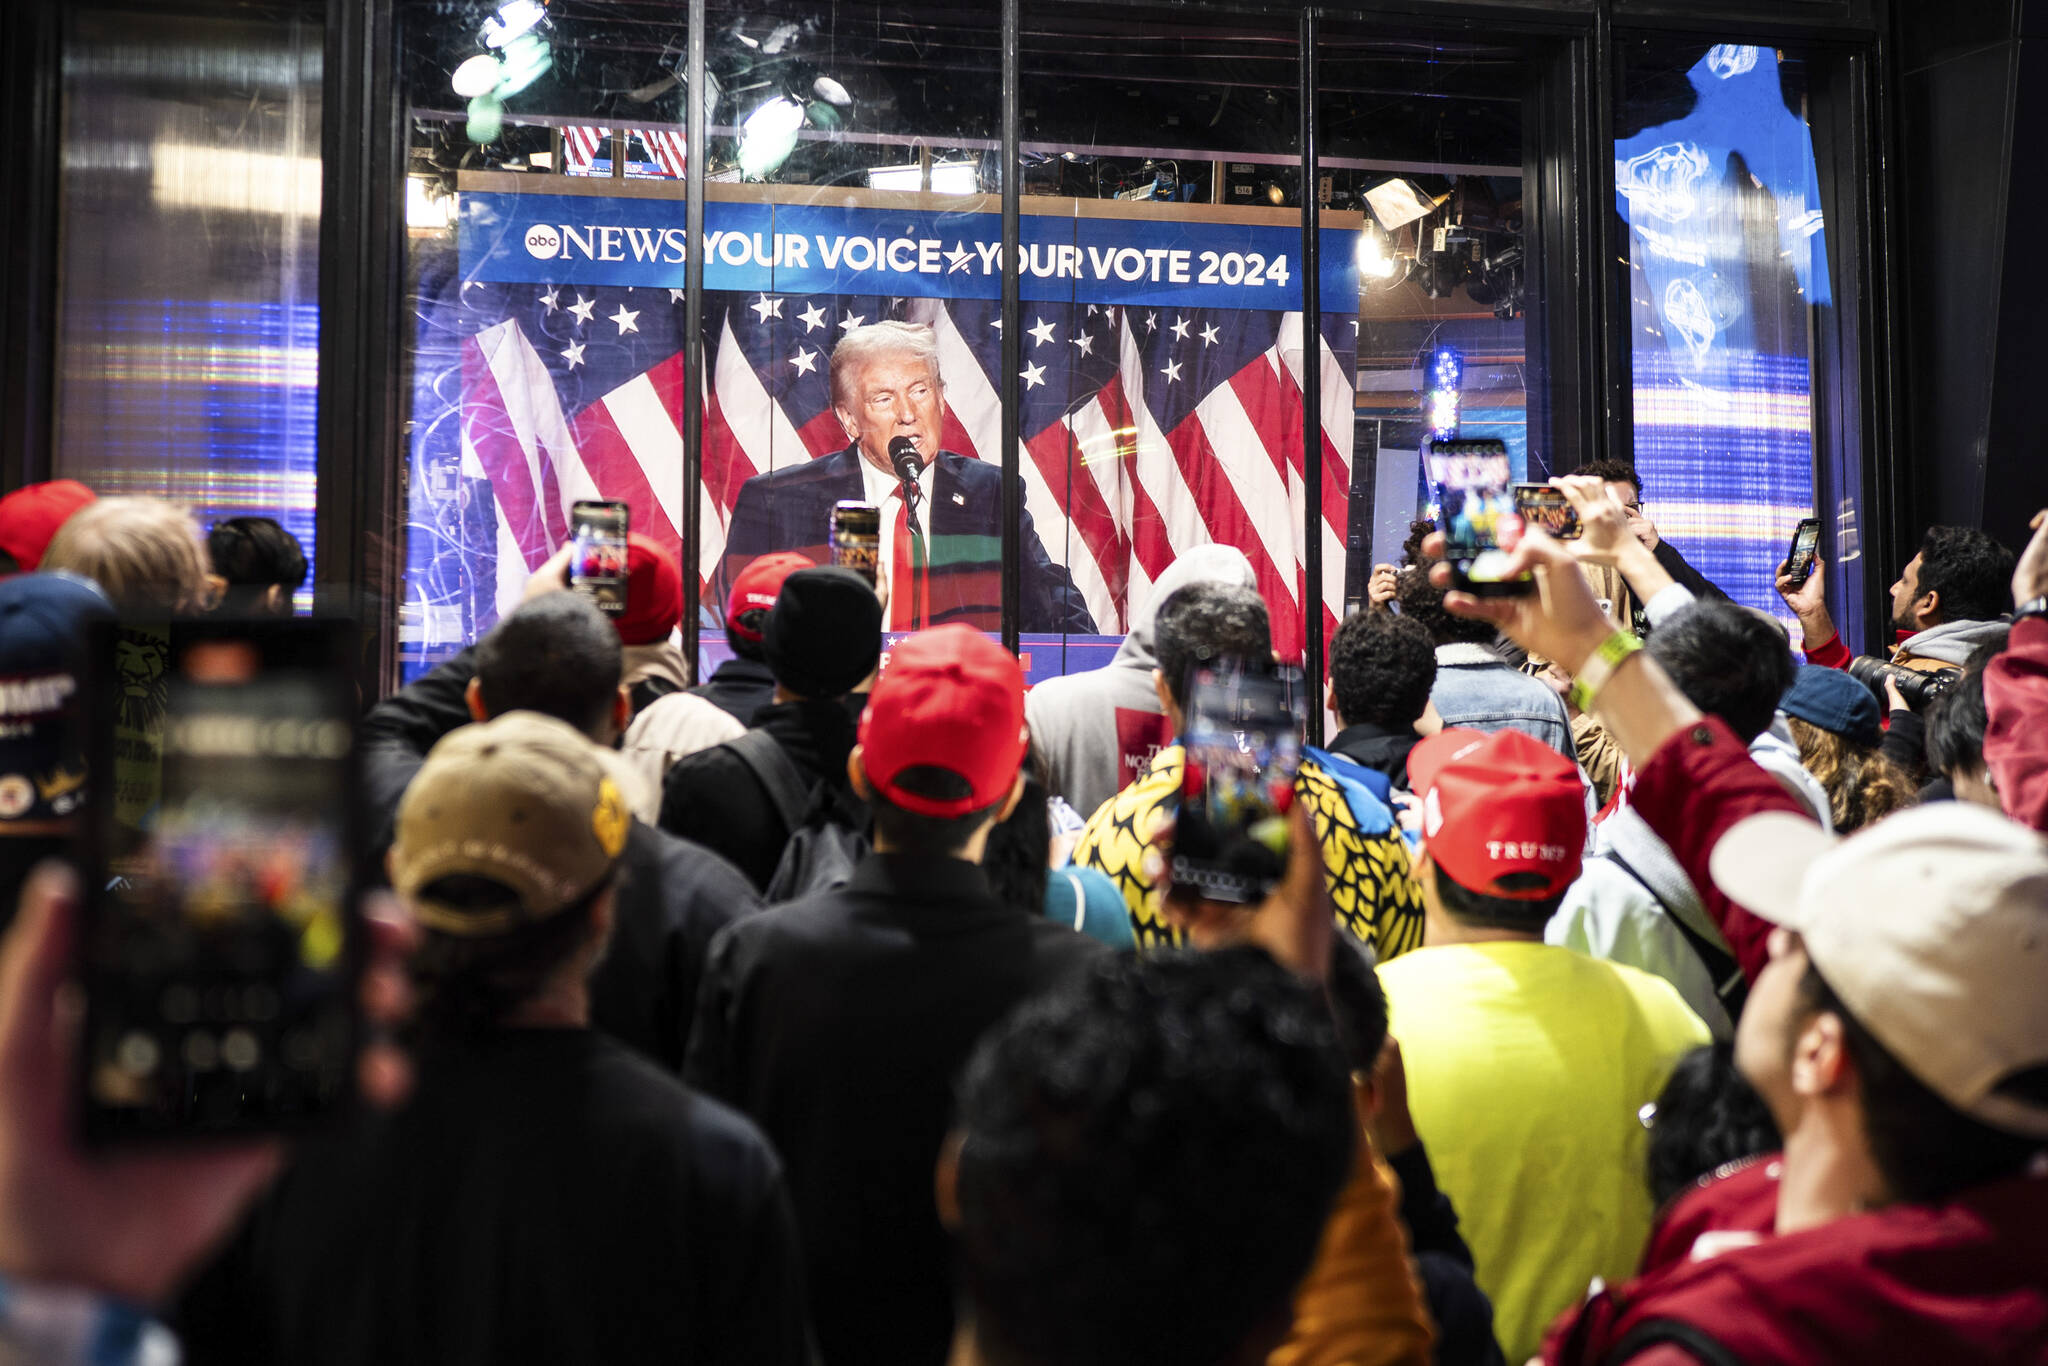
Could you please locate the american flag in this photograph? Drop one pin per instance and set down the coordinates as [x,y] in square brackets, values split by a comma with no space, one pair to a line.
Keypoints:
[584,144]
[1148,430]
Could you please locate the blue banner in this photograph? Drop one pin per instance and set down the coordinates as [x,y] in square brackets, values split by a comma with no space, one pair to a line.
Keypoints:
[785,249]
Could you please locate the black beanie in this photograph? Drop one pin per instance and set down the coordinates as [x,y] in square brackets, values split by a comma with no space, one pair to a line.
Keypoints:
[824,634]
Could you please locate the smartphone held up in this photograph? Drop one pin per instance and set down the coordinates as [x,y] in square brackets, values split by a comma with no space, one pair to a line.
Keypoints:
[1473,483]
[221,942]
[598,564]
[1805,545]
[1243,741]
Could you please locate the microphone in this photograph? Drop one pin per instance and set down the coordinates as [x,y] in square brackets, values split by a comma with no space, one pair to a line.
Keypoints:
[903,455]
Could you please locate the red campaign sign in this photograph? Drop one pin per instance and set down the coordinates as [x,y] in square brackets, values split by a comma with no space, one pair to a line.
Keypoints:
[1140,735]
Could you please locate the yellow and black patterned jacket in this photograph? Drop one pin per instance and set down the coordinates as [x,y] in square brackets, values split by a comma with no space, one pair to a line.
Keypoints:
[1372,884]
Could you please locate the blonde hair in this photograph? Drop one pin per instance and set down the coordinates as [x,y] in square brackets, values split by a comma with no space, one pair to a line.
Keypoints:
[886,338]
[146,554]
[1862,785]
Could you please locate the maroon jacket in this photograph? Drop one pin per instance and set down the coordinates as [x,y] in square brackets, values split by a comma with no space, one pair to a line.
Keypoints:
[2016,741]
[1962,1283]
[1700,783]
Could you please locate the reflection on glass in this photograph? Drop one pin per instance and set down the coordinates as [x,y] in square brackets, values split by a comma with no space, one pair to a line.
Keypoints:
[189,301]
[1716,180]
[1163,362]
[1426,138]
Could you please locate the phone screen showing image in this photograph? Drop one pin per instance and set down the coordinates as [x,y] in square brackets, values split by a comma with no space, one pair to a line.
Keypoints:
[1805,542]
[220,941]
[1243,739]
[1473,481]
[597,564]
[1540,505]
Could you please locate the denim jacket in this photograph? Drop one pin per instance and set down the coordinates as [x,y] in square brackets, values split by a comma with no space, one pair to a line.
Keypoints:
[1476,687]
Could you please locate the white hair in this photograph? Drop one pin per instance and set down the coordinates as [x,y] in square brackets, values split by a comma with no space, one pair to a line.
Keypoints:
[873,340]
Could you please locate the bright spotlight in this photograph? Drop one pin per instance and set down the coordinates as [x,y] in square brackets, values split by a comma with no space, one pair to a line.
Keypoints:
[514,17]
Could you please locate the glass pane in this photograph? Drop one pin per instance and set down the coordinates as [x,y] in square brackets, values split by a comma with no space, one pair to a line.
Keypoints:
[852,182]
[1729,285]
[545,218]
[189,300]
[1162,400]
[1424,138]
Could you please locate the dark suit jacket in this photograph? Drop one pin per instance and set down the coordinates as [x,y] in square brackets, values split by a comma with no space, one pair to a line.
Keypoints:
[791,509]
[839,1023]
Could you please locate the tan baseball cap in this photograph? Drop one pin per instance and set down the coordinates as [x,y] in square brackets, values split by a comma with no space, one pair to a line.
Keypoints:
[522,799]
[1932,928]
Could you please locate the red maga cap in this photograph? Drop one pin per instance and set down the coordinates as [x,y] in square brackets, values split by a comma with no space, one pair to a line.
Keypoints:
[949,698]
[758,585]
[1499,804]
[654,592]
[30,516]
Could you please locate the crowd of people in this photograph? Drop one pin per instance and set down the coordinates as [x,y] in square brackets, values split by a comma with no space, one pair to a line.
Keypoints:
[1639,984]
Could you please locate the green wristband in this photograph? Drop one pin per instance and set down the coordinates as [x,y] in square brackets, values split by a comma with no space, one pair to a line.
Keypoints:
[1600,666]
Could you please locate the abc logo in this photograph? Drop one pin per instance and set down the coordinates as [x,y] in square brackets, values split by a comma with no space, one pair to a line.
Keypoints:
[542,241]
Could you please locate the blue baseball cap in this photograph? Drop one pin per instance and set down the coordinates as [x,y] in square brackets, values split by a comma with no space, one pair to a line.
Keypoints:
[1833,700]
[43,623]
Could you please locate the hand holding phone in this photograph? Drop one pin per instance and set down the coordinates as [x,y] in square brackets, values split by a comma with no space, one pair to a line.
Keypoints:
[1478,516]
[1805,546]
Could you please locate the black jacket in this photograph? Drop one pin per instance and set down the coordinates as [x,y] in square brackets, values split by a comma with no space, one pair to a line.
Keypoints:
[543,1196]
[713,798]
[1377,748]
[839,1023]
[673,895]
[743,688]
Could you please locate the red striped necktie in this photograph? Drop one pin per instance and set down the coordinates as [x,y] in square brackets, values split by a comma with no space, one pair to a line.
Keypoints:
[910,587]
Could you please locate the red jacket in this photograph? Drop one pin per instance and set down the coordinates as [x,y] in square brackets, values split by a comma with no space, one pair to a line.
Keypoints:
[1700,783]
[2016,741]
[1962,1283]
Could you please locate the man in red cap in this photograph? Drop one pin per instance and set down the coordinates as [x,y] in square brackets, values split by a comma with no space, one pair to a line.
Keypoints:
[1527,1063]
[743,685]
[839,1022]
[654,604]
[30,517]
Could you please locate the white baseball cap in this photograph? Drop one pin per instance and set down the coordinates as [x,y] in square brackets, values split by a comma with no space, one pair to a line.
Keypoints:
[1931,927]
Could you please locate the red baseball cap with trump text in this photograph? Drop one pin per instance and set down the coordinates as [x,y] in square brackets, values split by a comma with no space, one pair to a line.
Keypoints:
[952,699]
[758,585]
[1497,805]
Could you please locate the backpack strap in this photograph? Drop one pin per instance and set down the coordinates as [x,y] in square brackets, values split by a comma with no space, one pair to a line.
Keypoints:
[764,757]
[1730,986]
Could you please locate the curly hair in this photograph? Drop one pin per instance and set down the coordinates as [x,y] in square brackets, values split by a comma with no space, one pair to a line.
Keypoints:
[1382,668]
[1862,785]
[1971,571]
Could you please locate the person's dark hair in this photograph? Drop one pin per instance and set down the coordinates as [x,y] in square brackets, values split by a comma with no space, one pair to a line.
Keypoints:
[1209,621]
[1382,667]
[1707,1116]
[468,986]
[1729,662]
[755,619]
[1411,549]
[1148,1156]
[557,655]
[1422,602]
[1924,1148]
[1015,860]
[252,554]
[910,832]
[1486,912]
[1358,1003]
[1613,472]
[1971,571]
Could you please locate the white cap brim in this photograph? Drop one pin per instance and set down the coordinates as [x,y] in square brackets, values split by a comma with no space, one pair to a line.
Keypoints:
[1761,863]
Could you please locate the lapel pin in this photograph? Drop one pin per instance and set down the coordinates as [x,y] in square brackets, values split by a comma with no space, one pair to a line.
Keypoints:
[961,499]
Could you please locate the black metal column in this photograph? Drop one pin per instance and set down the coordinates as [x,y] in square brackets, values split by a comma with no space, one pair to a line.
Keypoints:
[693,335]
[1311,380]
[1010,391]
[29,50]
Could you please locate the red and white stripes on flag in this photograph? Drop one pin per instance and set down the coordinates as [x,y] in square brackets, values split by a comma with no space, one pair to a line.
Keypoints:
[585,143]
